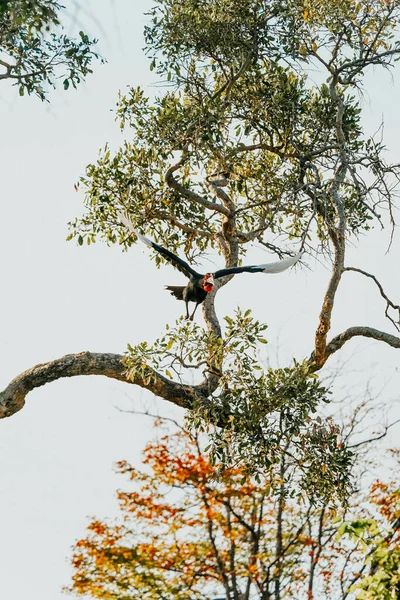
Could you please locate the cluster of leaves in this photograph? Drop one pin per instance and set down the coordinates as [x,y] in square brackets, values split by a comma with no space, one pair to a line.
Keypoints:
[259,416]
[33,56]
[264,185]
[189,346]
[369,27]
[189,31]
[43,13]
[133,180]
[271,416]
[378,538]
[243,101]
[186,532]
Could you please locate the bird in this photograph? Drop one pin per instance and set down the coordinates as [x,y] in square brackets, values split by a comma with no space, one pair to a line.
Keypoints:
[199,284]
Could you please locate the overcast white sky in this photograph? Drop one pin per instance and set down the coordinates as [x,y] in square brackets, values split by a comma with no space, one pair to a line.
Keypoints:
[56,455]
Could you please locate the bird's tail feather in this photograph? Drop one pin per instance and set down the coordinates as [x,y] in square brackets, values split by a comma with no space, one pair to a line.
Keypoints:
[176,290]
[128,223]
[281,265]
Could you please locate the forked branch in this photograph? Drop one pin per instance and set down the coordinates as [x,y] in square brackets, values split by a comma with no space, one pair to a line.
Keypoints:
[389,303]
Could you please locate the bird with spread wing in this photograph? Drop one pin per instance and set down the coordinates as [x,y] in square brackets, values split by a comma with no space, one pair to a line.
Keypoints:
[200,285]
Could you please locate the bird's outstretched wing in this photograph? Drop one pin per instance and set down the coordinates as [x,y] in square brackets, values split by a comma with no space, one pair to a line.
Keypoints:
[177,262]
[275,267]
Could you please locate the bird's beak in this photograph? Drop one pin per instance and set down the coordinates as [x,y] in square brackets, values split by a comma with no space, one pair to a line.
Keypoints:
[209,280]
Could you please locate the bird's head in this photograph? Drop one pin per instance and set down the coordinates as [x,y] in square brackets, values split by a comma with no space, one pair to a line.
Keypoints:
[208,282]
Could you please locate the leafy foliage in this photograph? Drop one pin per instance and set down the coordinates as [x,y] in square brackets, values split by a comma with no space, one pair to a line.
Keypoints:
[185,533]
[242,100]
[260,418]
[378,539]
[33,55]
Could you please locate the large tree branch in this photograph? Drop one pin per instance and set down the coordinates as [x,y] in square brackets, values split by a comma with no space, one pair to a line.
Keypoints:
[336,232]
[222,195]
[12,399]
[278,150]
[338,341]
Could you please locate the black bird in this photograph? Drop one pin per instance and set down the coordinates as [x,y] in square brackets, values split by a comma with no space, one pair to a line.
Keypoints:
[200,285]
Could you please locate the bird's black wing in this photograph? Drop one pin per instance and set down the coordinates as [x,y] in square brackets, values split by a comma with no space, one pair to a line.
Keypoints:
[275,267]
[177,262]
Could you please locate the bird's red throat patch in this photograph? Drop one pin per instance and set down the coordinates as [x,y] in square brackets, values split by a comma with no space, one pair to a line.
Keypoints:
[208,282]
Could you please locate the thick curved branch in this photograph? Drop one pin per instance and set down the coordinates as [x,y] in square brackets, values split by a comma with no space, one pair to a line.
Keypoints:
[249,236]
[12,399]
[278,150]
[381,336]
[223,196]
[339,340]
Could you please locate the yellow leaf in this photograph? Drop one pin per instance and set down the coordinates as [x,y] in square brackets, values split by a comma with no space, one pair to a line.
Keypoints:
[169,345]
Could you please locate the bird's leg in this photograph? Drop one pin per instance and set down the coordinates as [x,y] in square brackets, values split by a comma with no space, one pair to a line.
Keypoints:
[192,315]
[187,310]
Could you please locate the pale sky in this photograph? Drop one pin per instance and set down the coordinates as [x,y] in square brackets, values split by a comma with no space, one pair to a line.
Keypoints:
[56,455]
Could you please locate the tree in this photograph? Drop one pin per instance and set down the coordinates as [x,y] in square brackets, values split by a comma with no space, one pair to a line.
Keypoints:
[33,55]
[301,173]
[185,534]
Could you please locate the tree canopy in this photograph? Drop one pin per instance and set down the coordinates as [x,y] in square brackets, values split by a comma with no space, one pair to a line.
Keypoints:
[33,52]
[185,533]
[241,98]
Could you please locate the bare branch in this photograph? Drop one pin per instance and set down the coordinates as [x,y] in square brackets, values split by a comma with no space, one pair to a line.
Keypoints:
[376,438]
[338,341]
[8,68]
[354,67]
[389,303]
